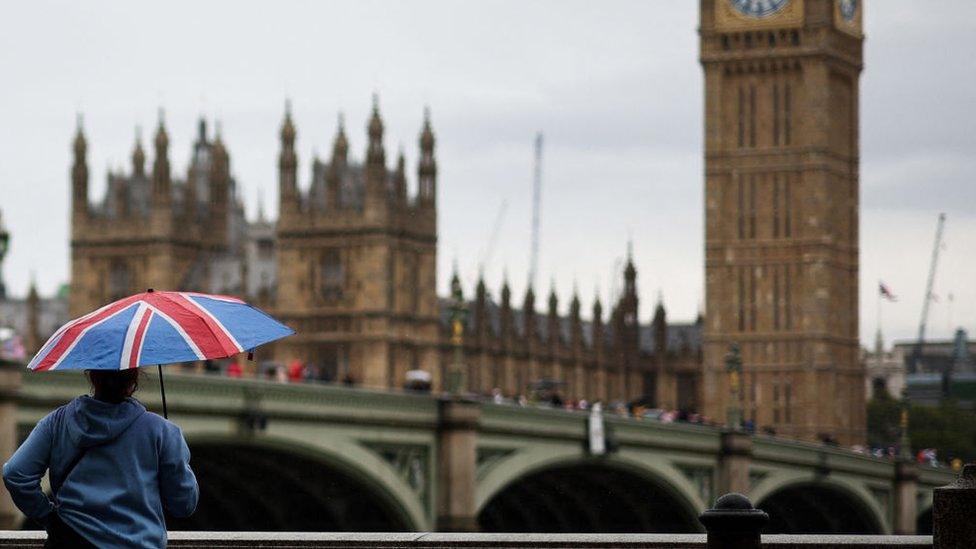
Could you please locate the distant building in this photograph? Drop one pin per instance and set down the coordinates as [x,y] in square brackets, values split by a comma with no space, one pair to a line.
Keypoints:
[781,153]
[33,318]
[613,359]
[943,369]
[152,230]
[351,265]
[885,371]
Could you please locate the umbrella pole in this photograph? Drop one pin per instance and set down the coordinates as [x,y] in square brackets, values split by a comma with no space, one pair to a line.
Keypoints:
[162,390]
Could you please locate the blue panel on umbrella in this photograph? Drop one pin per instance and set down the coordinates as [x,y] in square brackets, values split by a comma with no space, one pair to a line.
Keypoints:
[100,348]
[250,326]
[163,344]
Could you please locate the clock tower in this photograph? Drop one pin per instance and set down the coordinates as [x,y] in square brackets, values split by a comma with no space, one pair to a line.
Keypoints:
[781,213]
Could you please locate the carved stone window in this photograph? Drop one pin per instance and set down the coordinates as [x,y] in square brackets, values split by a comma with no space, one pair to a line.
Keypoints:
[332,275]
[119,280]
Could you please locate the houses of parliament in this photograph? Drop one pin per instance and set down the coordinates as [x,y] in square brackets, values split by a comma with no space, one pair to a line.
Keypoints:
[350,263]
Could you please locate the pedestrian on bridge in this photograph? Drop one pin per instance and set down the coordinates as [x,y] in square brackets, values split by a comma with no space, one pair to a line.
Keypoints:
[114,469]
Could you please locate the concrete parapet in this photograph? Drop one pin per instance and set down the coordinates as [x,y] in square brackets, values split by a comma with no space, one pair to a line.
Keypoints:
[420,540]
[953,511]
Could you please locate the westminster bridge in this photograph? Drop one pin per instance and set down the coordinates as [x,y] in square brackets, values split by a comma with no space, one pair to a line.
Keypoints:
[303,457]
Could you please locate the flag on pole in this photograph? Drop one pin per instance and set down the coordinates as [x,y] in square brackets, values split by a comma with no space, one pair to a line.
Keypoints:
[886,292]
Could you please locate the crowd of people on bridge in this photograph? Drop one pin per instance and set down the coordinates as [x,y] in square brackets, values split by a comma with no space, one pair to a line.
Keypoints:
[546,396]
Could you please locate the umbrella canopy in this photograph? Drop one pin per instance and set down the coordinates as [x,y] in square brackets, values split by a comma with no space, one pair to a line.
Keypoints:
[158,328]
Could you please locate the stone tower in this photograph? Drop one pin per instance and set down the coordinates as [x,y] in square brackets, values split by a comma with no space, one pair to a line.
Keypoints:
[149,230]
[781,210]
[357,261]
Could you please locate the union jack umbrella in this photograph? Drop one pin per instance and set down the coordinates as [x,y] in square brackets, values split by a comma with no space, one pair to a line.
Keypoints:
[158,328]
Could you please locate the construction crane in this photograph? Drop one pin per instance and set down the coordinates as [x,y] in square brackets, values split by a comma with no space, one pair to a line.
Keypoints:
[493,238]
[536,199]
[917,352]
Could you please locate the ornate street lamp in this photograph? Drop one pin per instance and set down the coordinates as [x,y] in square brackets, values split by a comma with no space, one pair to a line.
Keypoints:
[904,442]
[459,316]
[4,243]
[733,366]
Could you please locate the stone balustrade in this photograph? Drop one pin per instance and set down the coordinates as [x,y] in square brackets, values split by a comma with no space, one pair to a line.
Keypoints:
[296,540]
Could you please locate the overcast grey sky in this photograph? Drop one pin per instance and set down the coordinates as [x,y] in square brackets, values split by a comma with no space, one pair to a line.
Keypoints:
[615,86]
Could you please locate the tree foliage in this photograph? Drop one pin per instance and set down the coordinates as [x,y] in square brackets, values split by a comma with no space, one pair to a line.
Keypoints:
[948,428]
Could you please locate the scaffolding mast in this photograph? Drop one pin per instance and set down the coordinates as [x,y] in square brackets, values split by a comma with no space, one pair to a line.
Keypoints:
[917,354]
[536,199]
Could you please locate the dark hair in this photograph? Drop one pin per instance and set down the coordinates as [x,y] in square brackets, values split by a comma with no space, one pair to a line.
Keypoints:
[113,385]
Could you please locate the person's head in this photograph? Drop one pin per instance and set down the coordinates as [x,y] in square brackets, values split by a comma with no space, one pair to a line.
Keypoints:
[113,385]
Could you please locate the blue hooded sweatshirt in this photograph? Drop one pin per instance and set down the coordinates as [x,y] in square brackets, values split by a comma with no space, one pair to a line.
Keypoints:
[137,465]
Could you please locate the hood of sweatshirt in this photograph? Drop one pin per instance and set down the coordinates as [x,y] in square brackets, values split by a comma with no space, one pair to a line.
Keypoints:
[92,422]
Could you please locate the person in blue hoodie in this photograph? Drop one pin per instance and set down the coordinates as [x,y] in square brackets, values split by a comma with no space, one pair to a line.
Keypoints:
[115,469]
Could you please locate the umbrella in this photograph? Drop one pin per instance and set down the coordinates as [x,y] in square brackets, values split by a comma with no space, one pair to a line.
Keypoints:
[158,328]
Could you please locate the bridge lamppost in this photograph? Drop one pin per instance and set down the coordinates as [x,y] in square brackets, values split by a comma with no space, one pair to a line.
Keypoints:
[733,366]
[905,450]
[4,242]
[459,315]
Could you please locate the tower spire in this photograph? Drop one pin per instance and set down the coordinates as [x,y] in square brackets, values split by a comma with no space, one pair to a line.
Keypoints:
[375,155]
[79,171]
[401,179]
[161,174]
[287,166]
[220,189]
[138,155]
[427,168]
[340,146]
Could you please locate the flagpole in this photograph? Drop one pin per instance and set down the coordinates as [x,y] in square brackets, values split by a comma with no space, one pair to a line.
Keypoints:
[878,297]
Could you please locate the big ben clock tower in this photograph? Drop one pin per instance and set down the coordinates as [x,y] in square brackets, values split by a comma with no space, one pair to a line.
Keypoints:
[781,213]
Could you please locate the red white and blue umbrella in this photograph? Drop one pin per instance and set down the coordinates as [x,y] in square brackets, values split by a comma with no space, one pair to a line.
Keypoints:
[158,328]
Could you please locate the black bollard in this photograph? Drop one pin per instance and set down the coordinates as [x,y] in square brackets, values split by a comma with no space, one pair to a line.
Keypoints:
[733,523]
[953,526]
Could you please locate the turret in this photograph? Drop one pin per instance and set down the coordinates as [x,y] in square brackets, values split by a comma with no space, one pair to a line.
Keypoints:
[597,334]
[377,193]
[630,273]
[481,312]
[120,188]
[507,320]
[660,326]
[161,194]
[138,157]
[219,189]
[575,324]
[287,167]
[628,302]
[219,173]
[552,322]
[337,166]
[427,168]
[375,154]
[195,175]
[79,174]
[528,319]
[33,336]
[340,145]
[400,180]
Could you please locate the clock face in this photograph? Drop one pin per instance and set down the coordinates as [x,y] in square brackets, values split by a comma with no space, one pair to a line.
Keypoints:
[848,8]
[760,8]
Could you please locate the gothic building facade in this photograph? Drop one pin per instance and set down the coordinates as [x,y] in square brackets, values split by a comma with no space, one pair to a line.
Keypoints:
[350,263]
[609,358]
[356,260]
[152,230]
[781,212]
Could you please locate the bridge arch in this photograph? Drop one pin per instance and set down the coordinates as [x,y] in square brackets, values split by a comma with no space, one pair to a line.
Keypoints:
[542,492]
[800,504]
[274,483]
